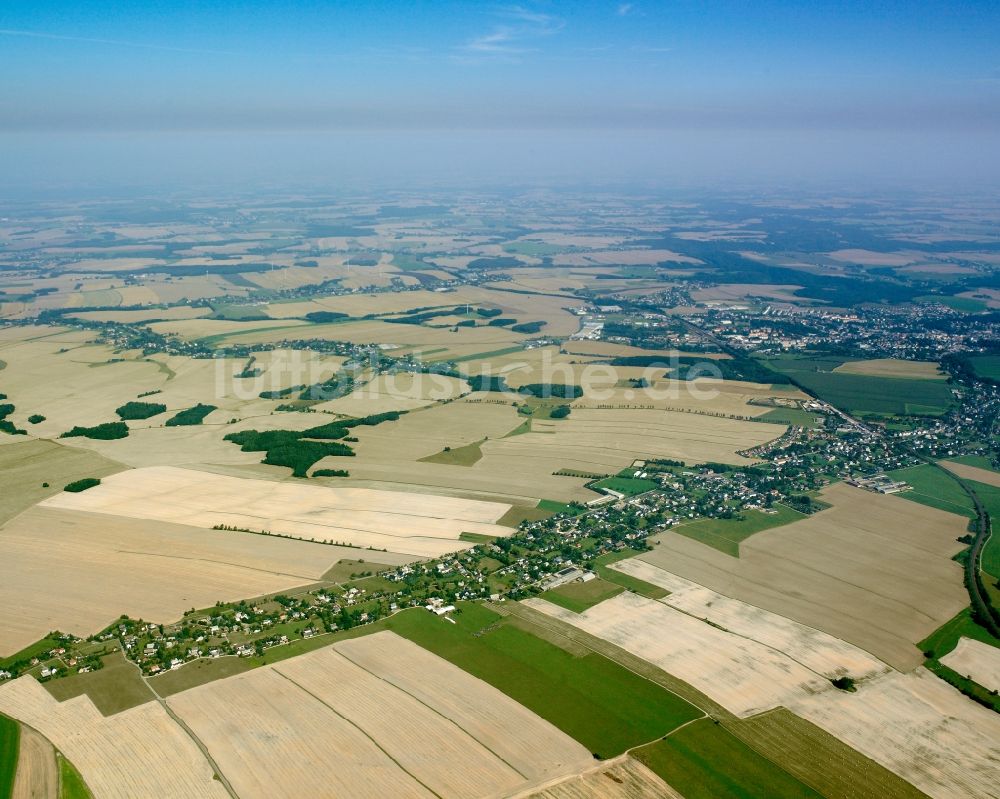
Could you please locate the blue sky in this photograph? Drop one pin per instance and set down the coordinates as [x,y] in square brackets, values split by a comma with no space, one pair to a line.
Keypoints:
[703,93]
[308,65]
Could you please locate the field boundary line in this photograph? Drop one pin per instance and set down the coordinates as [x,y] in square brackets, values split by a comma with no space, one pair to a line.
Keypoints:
[745,637]
[359,729]
[433,709]
[582,642]
[192,735]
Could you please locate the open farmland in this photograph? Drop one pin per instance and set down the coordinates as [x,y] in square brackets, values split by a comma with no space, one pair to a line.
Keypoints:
[816,650]
[706,762]
[598,440]
[402,391]
[918,727]
[37,776]
[27,465]
[422,525]
[867,392]
[977,661]
[138,752]
[625,779]
[608,707]
[987,476]
[873,570]
[702,396]
[372,727]
[591,441]
[148,315]
[440,343]
[893,367]
[914,725]
[77,571]
[817,758]
[742,675]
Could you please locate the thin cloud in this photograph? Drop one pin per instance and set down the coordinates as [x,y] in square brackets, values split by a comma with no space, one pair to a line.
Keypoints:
[625,9]
[111,42]
[498,41]
[520,26]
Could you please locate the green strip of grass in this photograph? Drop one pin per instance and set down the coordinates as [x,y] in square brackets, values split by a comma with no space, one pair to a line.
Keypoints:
[979,461]
[476,538]
[31,651]
[71,784]
[704,761]
[577,597]
[633,584]
[725,535]
[552,506]
[602,705]
[795,416]
[934,488]
[10,737]
[480,355]
[629,486]
[944,639]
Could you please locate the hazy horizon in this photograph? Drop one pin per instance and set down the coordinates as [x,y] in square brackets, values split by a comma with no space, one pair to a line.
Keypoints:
[899,94]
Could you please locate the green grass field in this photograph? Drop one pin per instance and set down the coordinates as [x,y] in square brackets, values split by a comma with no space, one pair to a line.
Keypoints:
[30,651]
[467,455]
[990,497]
[115,687]
[979,461]
[963,304]
[945,638]
[71,784]
[633,584]
[476,538]
[704,761]
[725,535]
[602,705]
[986,366]
[794,416]
[933,487]
[629,486]
[10,737]
[580,596]
[936,489]
[865,393]
[552,506]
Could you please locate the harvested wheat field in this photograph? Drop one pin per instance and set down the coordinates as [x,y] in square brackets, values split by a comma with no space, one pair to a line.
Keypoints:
[742,675]
[977,661]
[625,779]
[814,649]
[610,349]
[138,752]
[423,525]
[705,396]
[193,329]
[523,307]
[369,721]
[987,476]
[741,292]
[598,441]
[893,367]
[625,257]
[919,727]
[26,465]
[146,315]
[403,391]
[37,776]
[77,571]
[608,440]
[390,454]
[874,570]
